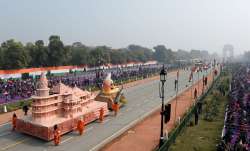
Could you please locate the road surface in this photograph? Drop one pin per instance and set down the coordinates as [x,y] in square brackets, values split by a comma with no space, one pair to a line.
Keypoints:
[142,99]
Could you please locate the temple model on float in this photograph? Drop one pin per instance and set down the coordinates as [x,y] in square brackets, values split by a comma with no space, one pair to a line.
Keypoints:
[62,106]
[110,93]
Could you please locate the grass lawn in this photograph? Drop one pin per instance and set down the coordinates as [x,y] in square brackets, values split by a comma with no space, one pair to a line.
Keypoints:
[206,135]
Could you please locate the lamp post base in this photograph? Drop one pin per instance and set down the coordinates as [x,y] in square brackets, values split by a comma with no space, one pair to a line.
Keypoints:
[161,141]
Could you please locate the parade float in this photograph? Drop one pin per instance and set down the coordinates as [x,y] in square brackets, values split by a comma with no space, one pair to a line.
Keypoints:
[60,105]
[110,93]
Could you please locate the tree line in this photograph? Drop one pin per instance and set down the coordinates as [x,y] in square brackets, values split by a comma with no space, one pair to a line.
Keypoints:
[15,55]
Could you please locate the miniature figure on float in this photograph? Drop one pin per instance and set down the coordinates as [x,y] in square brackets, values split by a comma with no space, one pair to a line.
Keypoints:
[60,106]
[111,94]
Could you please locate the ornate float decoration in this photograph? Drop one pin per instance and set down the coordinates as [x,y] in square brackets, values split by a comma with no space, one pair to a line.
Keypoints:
[62,106]
[111,93]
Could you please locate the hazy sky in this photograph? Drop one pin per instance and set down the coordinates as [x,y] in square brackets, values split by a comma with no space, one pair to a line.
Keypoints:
[184,24]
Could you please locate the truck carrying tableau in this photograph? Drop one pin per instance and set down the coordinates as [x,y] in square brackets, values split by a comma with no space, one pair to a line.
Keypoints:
[61,105]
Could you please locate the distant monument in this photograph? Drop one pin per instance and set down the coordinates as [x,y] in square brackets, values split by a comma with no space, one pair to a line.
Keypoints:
[228,49]
[63,108]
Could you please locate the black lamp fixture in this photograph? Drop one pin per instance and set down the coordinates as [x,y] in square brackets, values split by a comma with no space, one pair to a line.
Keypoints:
[163,77]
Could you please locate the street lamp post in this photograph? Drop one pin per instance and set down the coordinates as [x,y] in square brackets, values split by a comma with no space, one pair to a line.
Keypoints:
[176,91]
[163,75]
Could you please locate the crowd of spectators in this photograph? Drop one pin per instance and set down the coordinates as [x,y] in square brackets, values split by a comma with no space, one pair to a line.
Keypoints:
[16,89]
[12,90]
[236,131]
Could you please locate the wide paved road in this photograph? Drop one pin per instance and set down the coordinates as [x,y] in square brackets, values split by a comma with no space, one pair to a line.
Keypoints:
[141,100]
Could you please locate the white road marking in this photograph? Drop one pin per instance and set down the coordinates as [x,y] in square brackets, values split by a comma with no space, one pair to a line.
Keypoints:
[67,139]
[88,129]
[12,145]
[119,114]
[106,121]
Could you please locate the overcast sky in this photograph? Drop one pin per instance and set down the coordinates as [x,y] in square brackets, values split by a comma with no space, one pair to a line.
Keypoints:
[178,24]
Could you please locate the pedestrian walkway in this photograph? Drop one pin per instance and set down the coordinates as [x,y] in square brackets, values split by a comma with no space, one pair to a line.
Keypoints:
[6,117]
[145,135]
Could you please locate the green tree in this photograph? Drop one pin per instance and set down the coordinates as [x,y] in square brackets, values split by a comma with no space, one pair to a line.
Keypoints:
[77,45]
[15,56]
[96,57]
[1,58]
[38,53]
[139,53]
[42,53]
[80,55]
[182,55]
[99,56]
[118,57]
[56,51]
[31,50]
[163,55]
[67,55]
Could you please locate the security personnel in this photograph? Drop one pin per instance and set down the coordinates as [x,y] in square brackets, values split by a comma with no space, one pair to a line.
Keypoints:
[14,118]
[57,136]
